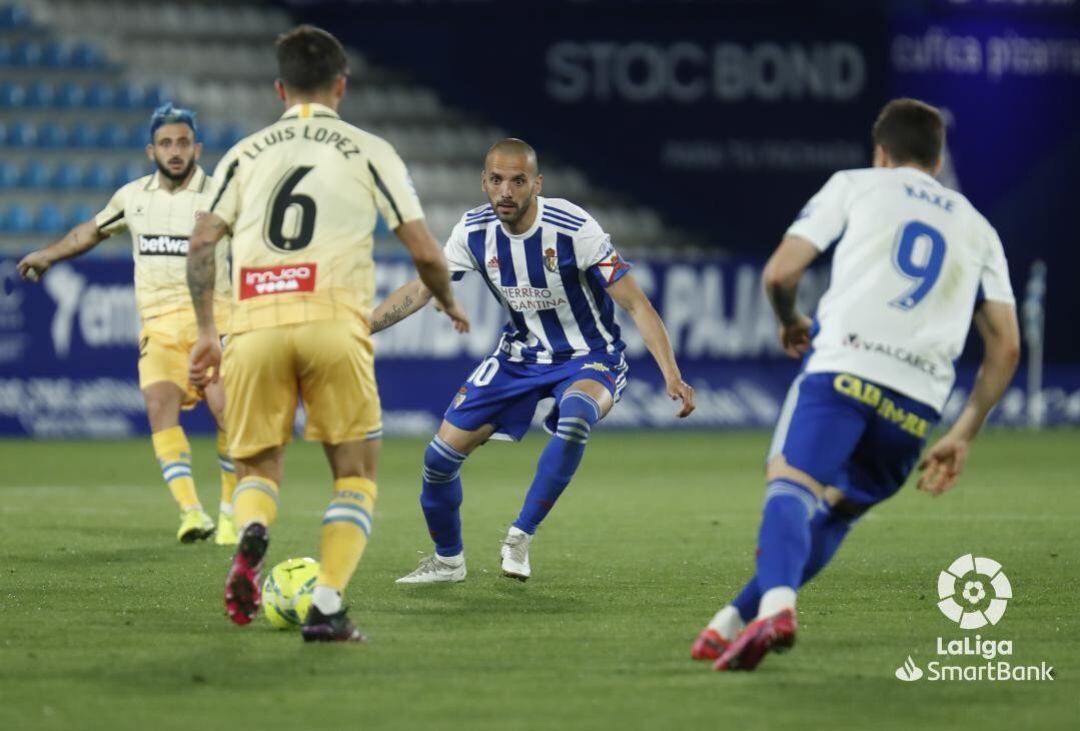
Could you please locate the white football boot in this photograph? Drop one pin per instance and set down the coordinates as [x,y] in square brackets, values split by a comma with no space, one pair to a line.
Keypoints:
[434,569]
[515,555]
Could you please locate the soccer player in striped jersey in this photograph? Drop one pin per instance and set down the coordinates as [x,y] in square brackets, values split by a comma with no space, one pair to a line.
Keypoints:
[158,211]
[915,264]
[558,275]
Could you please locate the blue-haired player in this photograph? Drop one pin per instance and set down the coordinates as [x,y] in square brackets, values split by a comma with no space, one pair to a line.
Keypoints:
[555,270]
[915,263]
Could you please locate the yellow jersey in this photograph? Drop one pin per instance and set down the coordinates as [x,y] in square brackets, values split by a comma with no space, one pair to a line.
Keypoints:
[301,198]
[160,223]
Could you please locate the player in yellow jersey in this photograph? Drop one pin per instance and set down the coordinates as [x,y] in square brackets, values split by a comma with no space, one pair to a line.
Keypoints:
[159,211]
[300,199]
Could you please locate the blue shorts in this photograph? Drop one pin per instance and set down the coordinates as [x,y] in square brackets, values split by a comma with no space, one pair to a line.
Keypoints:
[506,394]
[852,434]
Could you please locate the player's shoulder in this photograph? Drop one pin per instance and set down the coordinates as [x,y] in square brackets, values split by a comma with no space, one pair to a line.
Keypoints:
[125,191]
[372,145]
[562,213]
[478,217]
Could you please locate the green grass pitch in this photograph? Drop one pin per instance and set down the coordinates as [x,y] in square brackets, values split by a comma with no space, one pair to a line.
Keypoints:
[107,623]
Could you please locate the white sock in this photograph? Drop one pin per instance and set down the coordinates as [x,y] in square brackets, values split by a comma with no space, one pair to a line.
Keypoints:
[226,508]
[776,600]
[452,561]
[727,623]
[515,531]
[327,599]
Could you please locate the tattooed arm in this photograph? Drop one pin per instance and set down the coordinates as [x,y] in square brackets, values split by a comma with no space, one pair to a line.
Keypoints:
[400,304]
[201,275]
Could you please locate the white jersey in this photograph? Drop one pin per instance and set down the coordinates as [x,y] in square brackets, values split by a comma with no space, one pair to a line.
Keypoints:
[912,259]
[552,279]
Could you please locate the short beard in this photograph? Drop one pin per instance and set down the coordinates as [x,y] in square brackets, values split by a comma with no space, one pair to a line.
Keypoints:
[518,214]
[175,177]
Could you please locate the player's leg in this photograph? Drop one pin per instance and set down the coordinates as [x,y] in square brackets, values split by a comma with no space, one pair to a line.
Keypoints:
[580,406]
[226,534]
[440,499]
[258,374]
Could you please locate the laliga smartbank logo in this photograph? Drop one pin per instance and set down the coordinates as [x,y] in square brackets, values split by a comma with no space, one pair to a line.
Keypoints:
[973,593]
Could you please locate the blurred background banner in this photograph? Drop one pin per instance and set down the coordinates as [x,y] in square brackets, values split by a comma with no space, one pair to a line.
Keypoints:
[69,353]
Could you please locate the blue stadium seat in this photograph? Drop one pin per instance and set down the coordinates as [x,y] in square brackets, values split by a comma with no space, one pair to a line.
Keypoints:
[69,95]
[99,95]
[17,219]
[13,16]
[98,177]
[25,53]
[19,134]
[67,176]
[34,175]
[138,135]
[5,53]
[112,135]
[51,136]
[83,136]
[128,96]
[54,54]
[86,56]
[12,95]
[39,94]
[155,95]
[126,173]
[49,219]
[79,214]
[9,175]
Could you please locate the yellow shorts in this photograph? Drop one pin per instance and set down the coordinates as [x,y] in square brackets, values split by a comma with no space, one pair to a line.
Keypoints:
[329,364]
[165,345]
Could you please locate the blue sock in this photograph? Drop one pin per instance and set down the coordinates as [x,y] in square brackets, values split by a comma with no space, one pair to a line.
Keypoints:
[827,532]
[784,537]
[560,458]
[440,497]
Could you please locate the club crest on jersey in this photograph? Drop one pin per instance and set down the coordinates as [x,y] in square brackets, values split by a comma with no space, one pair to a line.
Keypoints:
[460,398]
[551,261]
[276,280]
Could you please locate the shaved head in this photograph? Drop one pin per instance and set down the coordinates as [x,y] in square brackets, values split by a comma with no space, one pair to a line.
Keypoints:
[513,147]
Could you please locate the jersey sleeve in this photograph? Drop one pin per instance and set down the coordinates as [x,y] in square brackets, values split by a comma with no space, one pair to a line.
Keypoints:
[225,203]
[596,253]
[994,281]
[456,251]
[111,219]
[395,194]
[823,218]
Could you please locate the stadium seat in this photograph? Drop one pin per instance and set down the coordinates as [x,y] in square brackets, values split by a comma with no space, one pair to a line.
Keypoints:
[39,94]
[49,219]
[9,175]
[25,53]
[19,134]
[126,173]
[85,56]
[79,213]
[69,95]
[5,53]
[156,95]
[138,135]
[51,136]
[112,136]
[34,175]
[12,95]
[99,95]
[54,54]
[67,176]
[98,177]
[13,16]
[128,96]
[17,219]
[83,136]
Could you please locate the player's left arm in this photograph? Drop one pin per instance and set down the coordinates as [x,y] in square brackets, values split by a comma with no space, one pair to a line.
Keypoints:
[780,279]
[201,276]
[628,294]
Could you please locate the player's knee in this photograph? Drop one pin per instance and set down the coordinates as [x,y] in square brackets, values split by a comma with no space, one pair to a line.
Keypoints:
[577,413]
[442,463]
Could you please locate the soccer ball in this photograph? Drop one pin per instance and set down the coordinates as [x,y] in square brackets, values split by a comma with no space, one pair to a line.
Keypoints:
[287,592]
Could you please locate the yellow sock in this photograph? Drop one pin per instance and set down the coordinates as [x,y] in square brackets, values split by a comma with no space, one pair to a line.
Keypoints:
[345,529]
[255,500]
[228,472]
[174,455]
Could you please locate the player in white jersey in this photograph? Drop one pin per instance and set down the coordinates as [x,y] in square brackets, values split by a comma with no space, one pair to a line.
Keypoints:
[158,211]
[914,264]
[554,269]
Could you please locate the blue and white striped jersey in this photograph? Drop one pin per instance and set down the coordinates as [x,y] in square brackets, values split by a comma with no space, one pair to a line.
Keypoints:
[552,279]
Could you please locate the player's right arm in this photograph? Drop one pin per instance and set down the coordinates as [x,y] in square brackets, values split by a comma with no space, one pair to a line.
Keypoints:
[78,240]
[1000,333]
[401,303]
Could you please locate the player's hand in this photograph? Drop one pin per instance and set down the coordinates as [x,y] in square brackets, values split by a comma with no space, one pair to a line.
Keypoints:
[33,265]
[205,363]
[795,338]
[456,314]
[680,390]
[942,465]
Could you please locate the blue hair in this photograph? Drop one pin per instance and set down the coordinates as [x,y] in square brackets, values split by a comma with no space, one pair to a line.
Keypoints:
[168,114]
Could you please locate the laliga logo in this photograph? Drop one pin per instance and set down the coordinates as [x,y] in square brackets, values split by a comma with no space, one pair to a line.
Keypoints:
[964,602]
